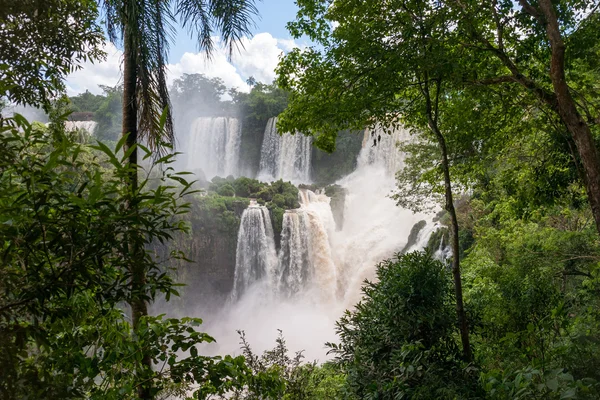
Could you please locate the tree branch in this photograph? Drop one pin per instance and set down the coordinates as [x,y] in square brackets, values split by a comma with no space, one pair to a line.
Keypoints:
[531,10]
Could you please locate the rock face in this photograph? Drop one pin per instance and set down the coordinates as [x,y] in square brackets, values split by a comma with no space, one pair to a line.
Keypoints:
[210,247]
[213,263]
[338,203]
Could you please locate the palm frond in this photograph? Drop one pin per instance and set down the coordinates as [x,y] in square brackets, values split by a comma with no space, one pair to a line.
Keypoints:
[112,14]
[147,25]
[149,28]
[196,17]
[232,19]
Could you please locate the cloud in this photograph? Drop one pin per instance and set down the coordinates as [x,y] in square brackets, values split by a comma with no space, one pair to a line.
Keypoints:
[215,67]
[91,75]
[258,57]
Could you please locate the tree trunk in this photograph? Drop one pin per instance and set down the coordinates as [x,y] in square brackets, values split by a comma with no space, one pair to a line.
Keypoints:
[566,108]
[130,105]
[454,239]
[138,304]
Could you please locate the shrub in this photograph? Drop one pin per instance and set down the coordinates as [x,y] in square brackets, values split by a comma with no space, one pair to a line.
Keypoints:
[226,190]
[400,342]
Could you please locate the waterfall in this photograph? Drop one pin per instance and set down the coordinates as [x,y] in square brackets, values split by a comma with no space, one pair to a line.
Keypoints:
[319,271]
[294,258]
[424,235]
[284,156]
[88,126]
[255,258]
[214,146]
[444,251]
[380,147]
[305,258]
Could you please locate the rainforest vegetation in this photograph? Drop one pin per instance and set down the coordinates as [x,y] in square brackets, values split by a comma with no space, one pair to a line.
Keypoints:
[503,102]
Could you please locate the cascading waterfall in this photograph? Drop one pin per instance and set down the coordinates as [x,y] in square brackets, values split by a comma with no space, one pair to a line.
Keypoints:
[214,146]
[294,269]
[380,147]
[444,251]
[88,126]
[319,271]
[256,258]
[305,258]
[286,156]
[375,228]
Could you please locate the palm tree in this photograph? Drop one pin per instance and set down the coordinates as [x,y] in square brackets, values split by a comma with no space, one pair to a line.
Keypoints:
[145,30]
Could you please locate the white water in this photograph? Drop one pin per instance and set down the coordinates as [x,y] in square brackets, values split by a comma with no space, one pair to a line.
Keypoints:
[214,146]
[286,156]
[320,270]
[306,263]
[380,148]
[375,228]
[255,255]
[88,126]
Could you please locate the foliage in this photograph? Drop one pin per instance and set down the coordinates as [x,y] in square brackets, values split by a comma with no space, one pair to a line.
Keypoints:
[215,212]
[197,89]
[278,196]
[195,95]
[106,108]
[529,285]
[263,102]
[255,108]
[41,43]
[86,101]
[327,167]
[399,341]
[66,227]
[145,29]
[276,375]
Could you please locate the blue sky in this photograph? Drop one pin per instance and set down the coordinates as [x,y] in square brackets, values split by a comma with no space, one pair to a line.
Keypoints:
[258,58]
[273,16]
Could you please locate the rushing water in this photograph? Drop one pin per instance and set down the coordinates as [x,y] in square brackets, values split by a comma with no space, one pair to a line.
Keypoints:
[255,255]
[214,146]
[318,271]
[286,156]
[88,126]
[380,148]
[305,258]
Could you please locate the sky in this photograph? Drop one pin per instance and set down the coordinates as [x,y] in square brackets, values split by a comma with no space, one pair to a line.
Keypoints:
[258,58]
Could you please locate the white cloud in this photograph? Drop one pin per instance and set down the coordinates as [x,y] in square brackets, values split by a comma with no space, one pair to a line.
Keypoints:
[258,58]
[107,72]
[287,44]
[215,67]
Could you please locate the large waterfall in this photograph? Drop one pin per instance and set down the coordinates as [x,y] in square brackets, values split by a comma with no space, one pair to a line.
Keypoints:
[319,270]
[214,146]
[286,156]
[255,255]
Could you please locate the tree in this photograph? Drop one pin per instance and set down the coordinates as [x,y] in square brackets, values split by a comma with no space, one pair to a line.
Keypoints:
[386,63]
[66,228]
[251,81]
[414,356]
[195,95]
[43,41]
[544,47]
[144,27]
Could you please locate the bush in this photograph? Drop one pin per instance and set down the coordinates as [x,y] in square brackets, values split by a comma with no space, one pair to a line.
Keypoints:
[226,190]
[275,375]
[400,342]
[67,229]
